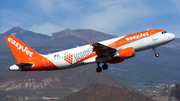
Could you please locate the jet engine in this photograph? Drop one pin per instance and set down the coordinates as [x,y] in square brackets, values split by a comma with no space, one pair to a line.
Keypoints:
[122,54]
[125,53]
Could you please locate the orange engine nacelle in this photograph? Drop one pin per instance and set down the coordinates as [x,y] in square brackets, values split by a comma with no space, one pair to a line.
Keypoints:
[122,54]
[126,53]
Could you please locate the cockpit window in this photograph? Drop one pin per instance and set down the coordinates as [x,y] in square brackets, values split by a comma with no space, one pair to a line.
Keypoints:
[164,32]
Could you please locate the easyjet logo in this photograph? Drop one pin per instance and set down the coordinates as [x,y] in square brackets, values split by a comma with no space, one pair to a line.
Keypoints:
[20,47]
[137,36]
[80,55]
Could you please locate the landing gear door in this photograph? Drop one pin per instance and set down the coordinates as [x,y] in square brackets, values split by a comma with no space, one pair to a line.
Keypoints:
[154,36]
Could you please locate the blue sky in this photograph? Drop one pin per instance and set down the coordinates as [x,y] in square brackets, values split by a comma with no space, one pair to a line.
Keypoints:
[116,17]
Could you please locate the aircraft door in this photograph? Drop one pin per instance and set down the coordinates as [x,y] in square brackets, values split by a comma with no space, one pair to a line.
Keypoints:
[46,62]
[154,36]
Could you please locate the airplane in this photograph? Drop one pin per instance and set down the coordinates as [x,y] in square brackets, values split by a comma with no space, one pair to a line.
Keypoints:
[111,51]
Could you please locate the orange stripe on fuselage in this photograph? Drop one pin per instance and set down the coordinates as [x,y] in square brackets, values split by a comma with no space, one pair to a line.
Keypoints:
[133,37]
[87,57]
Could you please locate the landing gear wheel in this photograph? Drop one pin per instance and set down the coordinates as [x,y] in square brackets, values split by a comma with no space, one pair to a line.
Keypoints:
[105,66]
[98,69]
[157,54]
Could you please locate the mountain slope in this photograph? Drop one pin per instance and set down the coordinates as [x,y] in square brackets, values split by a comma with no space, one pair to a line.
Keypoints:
[57,83]
[96,92]
[86,34]
[79,77]
[168,94]
[70,38]
[28,37]
[175,44]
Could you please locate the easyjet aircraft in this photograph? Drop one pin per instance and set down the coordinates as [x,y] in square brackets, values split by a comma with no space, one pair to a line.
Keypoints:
[111,51]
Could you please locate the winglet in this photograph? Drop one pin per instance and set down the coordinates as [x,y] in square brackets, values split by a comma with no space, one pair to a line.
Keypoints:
[91,43]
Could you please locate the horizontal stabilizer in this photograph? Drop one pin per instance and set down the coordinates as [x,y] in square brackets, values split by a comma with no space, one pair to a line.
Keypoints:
[27,65]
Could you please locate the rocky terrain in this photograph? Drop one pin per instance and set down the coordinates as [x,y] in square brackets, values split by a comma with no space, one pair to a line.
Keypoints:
[77,77]
[53,83]
[96,92]
[169,94]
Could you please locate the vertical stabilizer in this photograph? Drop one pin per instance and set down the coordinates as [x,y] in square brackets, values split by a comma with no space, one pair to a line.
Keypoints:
[21,51]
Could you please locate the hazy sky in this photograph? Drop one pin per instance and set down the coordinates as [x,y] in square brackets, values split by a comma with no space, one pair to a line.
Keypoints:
[116,17]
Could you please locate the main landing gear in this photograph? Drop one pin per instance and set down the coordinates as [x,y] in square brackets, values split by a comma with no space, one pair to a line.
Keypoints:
[156,54]
[99,69]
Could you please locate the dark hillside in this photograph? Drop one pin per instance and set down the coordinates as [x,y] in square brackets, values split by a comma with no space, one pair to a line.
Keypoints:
[169,94]
[28,37]
[96,92]
[53,83]
[71,38]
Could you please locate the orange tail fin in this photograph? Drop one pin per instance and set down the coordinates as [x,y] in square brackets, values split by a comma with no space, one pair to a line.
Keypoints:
[21,51]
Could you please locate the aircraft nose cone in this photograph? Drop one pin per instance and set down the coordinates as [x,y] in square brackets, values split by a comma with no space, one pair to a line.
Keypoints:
[173,36]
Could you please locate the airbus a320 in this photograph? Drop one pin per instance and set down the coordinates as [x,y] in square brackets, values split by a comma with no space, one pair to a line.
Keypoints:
[111,51]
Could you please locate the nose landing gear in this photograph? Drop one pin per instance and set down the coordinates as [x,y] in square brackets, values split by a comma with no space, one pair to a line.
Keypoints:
[104,67]
[157,54]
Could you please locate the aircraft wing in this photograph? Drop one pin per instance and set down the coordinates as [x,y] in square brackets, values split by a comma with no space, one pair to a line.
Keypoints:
[102,50]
